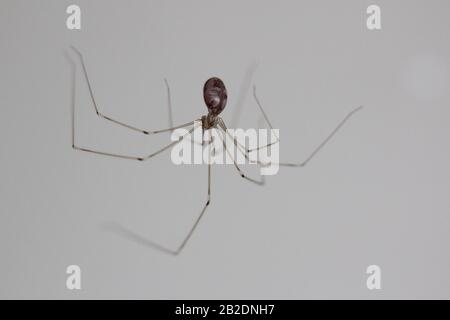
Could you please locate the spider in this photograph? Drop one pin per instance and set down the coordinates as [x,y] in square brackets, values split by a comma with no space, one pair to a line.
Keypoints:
[215,97]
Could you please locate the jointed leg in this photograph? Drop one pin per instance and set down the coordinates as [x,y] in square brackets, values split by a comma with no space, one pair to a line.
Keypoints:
[169,106]
[258,182]
[322,144]
[267,121]
[101,115]
[316,150]
[293,164]
[138,238]
[127,156]
[266,118]
[208,201]
[238,145]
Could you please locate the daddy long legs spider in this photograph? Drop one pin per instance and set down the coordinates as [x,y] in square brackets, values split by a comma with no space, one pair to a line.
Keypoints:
[215,96]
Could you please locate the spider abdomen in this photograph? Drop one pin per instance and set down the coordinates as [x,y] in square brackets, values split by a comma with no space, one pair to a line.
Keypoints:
[215,95]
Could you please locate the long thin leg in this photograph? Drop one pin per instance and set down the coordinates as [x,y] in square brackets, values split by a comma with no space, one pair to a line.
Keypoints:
[72,97]
[238,145]
[322,144]
[169,103]
[75,147]
[266,118]
[140,239]
[267,121]
[169,106]
[239,170]
[101,115]
[277,139]
[208,201]
[313,153]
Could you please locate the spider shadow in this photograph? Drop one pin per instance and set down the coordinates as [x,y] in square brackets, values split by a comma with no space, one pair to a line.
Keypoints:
[122,231]
[243,92]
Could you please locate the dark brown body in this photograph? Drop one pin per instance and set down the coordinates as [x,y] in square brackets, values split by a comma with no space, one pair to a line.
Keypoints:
[215,96]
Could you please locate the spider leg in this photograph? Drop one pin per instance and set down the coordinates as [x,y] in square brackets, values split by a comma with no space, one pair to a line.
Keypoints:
[202,212]
[121,230]
[208,202]
[101,115]
[169,105]
[116,155]
[239,170]
[266,118]
[291,164]
[239,146]
[322,144]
